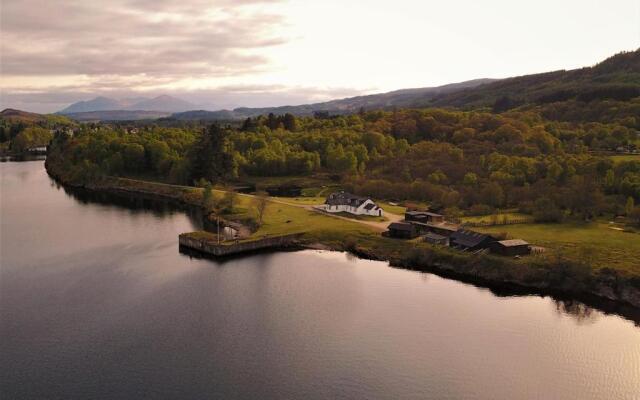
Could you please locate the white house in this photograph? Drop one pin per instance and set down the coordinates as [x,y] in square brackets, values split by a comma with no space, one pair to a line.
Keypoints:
[350,203]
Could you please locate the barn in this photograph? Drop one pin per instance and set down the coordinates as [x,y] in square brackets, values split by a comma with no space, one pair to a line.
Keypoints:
[512,247]
[464,239]
[402,230]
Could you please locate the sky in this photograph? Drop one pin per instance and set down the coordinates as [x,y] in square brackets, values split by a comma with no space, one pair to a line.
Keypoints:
[229,53]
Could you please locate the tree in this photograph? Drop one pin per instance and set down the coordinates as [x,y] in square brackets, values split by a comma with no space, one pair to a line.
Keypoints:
[470,179]
[545,210]
[634,216]
[260,203]
[211,156]
[629,207]
[609,180]
[207,198]
[229,200]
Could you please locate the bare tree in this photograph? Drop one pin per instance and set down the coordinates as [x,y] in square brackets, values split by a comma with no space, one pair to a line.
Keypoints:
[261,200]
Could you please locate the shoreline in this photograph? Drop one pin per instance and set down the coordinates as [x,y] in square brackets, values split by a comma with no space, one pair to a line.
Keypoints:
[604,286]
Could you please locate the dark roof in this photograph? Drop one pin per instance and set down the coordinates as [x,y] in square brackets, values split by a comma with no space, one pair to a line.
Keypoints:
[400,226]
[425,213]
[345,198]
[468,238]
[435,236]
[370,206]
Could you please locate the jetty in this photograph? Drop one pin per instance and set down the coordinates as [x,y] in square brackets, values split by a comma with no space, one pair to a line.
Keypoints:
[208,243]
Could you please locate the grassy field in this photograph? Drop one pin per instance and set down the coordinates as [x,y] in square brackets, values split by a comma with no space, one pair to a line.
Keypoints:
[596,242]
[490,218]
[625,157]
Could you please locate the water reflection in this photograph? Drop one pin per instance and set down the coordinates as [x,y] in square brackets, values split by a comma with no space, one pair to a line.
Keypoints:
[132,203]
[580,312]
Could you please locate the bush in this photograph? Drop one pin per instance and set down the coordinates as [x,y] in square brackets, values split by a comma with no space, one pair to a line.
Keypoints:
[545,210]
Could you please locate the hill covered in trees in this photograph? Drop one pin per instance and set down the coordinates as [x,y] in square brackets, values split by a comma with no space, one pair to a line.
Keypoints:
[616,78]
[467,162]
[397,98]
[20,130]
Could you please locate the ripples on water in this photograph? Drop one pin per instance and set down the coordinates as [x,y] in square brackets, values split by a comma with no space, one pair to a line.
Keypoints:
[97,302]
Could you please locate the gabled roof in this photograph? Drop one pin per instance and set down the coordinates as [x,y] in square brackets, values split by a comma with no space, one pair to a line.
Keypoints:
[468,238]
[345,198]
[370,206]
[435,236]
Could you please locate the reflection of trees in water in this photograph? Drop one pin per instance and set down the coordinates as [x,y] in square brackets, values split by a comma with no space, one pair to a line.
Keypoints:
[133,203]
[582,313]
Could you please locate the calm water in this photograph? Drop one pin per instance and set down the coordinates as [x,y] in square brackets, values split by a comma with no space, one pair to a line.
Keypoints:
[97,302]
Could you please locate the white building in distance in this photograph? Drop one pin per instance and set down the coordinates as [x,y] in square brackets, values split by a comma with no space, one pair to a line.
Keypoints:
[352,204]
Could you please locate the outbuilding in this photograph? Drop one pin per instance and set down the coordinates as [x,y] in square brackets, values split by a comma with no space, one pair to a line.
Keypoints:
[434,238]
[424,217]
[512,247]
[402,230]
[467,240]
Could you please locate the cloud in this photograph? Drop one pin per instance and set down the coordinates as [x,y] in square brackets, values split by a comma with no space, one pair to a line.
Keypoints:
[156,39]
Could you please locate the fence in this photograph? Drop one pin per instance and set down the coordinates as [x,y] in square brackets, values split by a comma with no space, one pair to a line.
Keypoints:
[498,222]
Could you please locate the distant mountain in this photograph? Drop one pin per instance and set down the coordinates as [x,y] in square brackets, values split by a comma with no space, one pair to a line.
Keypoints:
[117,115]
[98,104]
[617,77]
[399,98]
[162,103]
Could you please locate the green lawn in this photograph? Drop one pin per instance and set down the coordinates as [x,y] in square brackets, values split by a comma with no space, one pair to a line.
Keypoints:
[397,209]
[594,241]
[625,157]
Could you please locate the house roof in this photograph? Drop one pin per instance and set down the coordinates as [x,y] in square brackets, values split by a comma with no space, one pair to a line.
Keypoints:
[468,238]
[513,243]
[345,198]
[400,226]
[370,206]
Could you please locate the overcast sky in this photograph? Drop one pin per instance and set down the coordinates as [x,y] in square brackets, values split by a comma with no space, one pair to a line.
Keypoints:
[226,53]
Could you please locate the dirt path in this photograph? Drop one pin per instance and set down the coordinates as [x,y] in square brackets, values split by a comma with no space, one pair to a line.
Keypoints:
[377,225]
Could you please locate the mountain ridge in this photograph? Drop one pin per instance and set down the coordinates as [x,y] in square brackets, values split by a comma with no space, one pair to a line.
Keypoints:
[162,103]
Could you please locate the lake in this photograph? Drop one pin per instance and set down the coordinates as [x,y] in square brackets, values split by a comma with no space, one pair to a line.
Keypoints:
[97,302]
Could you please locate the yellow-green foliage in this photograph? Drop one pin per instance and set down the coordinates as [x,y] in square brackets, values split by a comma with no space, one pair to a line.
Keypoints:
[625,157]
[33,136]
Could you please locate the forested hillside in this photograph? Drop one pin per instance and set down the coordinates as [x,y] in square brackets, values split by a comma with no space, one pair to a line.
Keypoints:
[616,78]
[465,162]
[20,130]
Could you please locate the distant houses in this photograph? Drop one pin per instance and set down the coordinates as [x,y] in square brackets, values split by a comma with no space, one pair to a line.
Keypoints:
[350,203]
